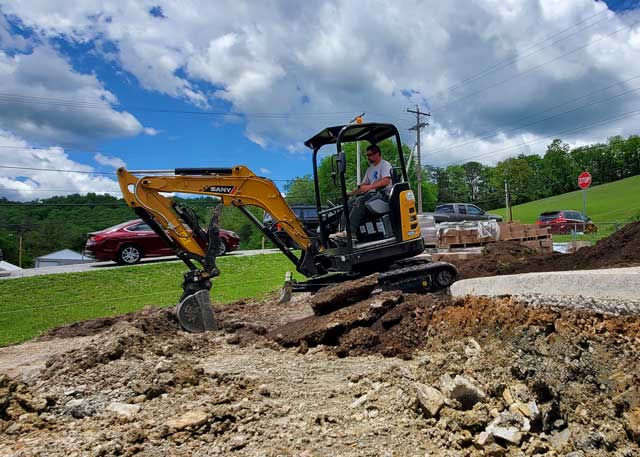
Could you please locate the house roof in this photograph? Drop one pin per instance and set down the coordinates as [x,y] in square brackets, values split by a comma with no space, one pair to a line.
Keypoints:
[6,266]
[64,254]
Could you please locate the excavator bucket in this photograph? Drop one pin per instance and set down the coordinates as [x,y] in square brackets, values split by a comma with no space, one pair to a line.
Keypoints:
[195,313]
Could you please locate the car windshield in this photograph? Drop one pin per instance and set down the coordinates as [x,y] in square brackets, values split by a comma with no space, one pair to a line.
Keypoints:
[444,209]
[117,226]
[474,210]
[549,216]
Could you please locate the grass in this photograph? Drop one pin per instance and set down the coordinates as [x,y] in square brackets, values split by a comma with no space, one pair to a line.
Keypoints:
[608,205]
[29,306]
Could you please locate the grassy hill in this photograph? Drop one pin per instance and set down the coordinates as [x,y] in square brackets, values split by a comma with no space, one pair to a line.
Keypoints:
[613,202]
[609,205]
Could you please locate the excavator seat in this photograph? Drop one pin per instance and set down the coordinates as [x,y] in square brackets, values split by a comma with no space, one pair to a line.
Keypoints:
[378,206]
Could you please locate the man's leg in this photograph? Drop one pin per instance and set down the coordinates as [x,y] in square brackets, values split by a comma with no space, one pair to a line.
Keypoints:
[358,211]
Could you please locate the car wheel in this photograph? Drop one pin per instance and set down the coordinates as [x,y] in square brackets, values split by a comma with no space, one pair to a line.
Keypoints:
[129,254]
[222,248]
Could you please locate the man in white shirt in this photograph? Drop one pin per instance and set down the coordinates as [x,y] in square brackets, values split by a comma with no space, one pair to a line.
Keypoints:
[376,183]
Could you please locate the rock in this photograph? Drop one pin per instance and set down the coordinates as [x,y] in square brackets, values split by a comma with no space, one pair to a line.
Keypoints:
[537,446]
[238,442]
[75,390]
[518,392]
[632,424]
[31,403]
[359,401]
[529,410]
[162,366]
[484,438]
[124,409]
[472,348]
[461,390]
[494,450]
[429,399]
[193,418]
[134,435]
[233,339]
[560,440]
[509,427]
[264,390]
[79,408]
[333,297]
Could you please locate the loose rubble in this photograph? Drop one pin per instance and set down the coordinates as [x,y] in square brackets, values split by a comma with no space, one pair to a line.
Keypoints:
[394,374]
[389,374]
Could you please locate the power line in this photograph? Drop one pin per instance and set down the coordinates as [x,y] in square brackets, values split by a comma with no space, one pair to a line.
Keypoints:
[535,67]
[17,98]
[601,122]
[59,170]
[62,190]
[543,119]
[509,61]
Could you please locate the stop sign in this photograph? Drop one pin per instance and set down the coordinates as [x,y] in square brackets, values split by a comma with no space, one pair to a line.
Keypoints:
[584,180]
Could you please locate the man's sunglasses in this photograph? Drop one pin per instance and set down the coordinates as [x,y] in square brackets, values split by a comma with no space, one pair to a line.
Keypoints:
[371,154]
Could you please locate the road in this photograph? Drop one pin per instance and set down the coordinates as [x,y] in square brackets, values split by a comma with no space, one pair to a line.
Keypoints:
[95,266]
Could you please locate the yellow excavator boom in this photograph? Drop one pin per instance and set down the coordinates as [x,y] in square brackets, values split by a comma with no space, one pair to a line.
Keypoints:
[237,186]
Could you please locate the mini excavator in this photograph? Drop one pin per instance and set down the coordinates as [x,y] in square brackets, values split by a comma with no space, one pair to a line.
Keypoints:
[387,242]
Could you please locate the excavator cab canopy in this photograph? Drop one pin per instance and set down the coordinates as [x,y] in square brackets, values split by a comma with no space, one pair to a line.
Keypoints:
[371,132]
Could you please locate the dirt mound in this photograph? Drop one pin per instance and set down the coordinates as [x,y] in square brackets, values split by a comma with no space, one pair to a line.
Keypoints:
[474,376]
[621,249]
[149,319]
[396,325]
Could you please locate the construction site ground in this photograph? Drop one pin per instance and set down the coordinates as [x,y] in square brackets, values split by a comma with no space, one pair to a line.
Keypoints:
[392,374]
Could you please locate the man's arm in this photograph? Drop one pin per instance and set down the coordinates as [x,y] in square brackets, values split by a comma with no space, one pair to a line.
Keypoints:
[379,184]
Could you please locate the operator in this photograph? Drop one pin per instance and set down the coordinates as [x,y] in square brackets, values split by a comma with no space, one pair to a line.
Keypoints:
[376,184]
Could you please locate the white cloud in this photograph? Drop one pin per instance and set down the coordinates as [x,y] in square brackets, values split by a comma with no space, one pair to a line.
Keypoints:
[115,162]
[31,184]
[342,58]
[44,100]
[151,131]
[265,171]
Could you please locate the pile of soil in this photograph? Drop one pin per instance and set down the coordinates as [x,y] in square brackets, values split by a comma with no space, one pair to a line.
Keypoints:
[621,249]
[394,374]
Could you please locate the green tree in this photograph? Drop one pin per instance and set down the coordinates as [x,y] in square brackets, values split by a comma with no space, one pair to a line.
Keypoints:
[518,173]
[560,169]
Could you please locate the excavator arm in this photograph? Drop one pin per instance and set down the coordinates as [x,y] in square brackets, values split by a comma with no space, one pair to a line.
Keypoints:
[145,191]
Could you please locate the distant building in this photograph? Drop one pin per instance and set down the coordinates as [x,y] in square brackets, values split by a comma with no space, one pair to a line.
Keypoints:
[64,257]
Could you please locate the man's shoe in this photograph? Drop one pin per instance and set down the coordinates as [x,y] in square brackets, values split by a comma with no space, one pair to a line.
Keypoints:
[336,235]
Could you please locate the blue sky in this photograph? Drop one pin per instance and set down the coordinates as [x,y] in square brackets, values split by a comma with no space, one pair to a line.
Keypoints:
[99,84]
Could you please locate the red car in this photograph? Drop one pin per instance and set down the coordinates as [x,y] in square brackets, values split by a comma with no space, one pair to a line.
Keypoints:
[129,242]
[566,221]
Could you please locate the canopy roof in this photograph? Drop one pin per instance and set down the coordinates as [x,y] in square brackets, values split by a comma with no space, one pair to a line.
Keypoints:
[371,132]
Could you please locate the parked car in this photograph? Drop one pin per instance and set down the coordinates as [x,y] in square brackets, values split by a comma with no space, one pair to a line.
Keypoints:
[130,241]
[566,221]
[307,214]
[458,212]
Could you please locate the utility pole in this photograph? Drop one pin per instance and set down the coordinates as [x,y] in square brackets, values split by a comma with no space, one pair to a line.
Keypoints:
[507,198]
[358,120]
[417,128]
